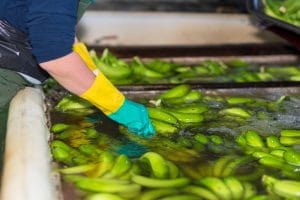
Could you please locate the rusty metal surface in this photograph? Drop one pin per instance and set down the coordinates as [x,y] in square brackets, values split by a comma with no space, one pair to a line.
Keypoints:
[200,51]
[250,91]
[263,54]
[151,87]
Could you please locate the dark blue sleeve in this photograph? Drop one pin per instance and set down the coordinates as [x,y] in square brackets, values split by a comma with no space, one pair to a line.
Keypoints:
[51,27]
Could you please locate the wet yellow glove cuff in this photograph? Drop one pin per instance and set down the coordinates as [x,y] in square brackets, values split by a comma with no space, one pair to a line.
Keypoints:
[81,49]
[104,95]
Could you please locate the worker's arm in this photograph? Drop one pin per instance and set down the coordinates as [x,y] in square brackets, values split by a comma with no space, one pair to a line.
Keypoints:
[71,72]
[51,32]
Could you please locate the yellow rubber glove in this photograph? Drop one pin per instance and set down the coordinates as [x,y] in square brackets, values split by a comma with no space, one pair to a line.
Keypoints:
[81,49]
[105,96]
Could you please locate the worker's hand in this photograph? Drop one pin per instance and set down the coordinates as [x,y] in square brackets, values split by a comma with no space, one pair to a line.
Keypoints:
[105,96]
[135,117]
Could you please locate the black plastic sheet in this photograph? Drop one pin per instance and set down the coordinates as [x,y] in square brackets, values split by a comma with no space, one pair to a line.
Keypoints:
[16,54]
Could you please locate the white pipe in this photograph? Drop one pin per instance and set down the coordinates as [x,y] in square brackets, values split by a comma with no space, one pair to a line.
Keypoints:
[27,165]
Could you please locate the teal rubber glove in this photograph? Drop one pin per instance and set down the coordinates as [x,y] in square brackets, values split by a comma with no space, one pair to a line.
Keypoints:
[135,117]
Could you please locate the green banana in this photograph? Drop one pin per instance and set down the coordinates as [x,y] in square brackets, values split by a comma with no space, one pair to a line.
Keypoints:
[271,161]
[278,163]
[191,108]
[241,140]
[59,127]
[201,138]
[288,189]
[80,159]
[291,174]
[61,155]
[249,190]
[163,128]
[74,104]
[104,196]
[75,178]
[177,91]
[261,154]
[124,81]
[121,165]
[254,139]
[160,66]
[260,197]
[255,175]
[290,133]
[216,139]
[201,70]
[200,191]
[61,145]
[90,150]
[236,111]
[157,193]
[91,133]
[277,152]
[217,186]
[191,97]
[237,62]
[292,157]
[181,197]
[110,66]
[155,113]
[273,142]
[235,186]
[198,147]
[205,170]
[77,169]
[104,185]
[233,165]
[174,172]
[139,69]
[105,164]
[160,183]
[238,100]
[157,164]
[184,141]
[186,117]
[221,164]
[291,6]
[135,169]
[289,140]
[295,78]
[66,134]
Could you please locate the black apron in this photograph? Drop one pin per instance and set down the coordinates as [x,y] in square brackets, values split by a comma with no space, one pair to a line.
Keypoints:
[16,52]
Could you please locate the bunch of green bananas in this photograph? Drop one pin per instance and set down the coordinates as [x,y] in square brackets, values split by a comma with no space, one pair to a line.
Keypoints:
[74,105]
[64,153]
[223,188]
[290,137]
[286,10]
[178,107]
[271,152]
[111,66]
[186,148]
[224,166]
[287,189]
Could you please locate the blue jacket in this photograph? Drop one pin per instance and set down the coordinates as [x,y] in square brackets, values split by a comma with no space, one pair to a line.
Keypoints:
[49,24]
